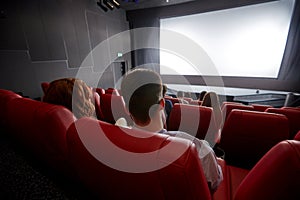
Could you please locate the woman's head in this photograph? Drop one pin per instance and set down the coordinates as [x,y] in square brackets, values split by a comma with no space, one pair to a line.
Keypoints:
[72,93]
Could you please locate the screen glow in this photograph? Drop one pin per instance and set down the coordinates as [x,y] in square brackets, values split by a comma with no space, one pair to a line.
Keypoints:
[247,41]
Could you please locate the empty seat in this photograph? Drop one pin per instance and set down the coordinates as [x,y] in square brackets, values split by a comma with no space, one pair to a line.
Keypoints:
[196,102]
[5,97]
[227,108]
[224,103]
[121,163]
[97,105]
[297,136]
[188,99]
[292,108]
[113,108]
[41,128]
[293,117]
[174,100]
[45,86]
[261,107]
[195,120]
[113,91]
[248,135]
[100,91]
[276,176]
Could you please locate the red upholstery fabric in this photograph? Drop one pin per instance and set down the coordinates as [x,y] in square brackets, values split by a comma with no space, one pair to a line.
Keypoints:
[195,120]
[227,108]
[113,91]
[5,97]
[45,86]
[292,108]
[100,91]
[293,117]
[224,103]
[112,108]
[182,178]
[223,191]
[41,127]
[297,136]
[188,99]
[276,176]
[248,135]
[260,107]
[196,102]
[97,105]
[174,100]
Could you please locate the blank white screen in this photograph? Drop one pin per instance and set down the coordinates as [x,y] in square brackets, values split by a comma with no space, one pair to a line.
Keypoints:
[247,41]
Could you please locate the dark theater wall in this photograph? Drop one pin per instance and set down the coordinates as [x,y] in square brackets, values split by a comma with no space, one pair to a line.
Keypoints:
[43,40]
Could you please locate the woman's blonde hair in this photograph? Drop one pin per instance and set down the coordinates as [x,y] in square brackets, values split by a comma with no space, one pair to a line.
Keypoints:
[72,93]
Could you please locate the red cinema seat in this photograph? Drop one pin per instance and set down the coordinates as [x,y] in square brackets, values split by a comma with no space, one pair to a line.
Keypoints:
[224,103]
[41,128]
[248,135]
[97,106]
[276,176]
[45,86]
[5,97]
[196,102]
[173,100]
[227,108]
[293,117]
[113,91]
[188,99]
[195,120]
[297,136]
[100,91]
[113,108]
[121,163]
[261,107]
[292,108]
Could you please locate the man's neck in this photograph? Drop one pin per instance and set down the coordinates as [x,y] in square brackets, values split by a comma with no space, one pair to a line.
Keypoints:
[155,125]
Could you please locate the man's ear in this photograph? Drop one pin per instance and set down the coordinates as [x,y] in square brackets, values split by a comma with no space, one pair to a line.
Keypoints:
[162,103]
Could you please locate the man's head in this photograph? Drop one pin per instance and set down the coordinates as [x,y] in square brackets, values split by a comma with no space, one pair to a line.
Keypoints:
[142,93]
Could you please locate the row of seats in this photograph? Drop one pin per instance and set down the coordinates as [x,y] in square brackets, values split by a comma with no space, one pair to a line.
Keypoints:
[242,130]
[89,150]
[263,130]
[123,169]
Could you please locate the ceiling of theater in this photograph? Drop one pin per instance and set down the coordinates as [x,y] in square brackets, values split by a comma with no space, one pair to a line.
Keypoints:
[140,4]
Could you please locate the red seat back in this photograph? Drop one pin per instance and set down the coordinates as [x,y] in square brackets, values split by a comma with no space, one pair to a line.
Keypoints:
[248,135]
[297,136]
[195,120]
[227,108]
[113,108]
[45,86]
[41,128]
[100,91]
[293,117]
[261,107]
[292,108]
[113,91]
[173,100]
[97,106]
[5,97]
[224,103]
[196,102]
[276,175]
[121,163]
